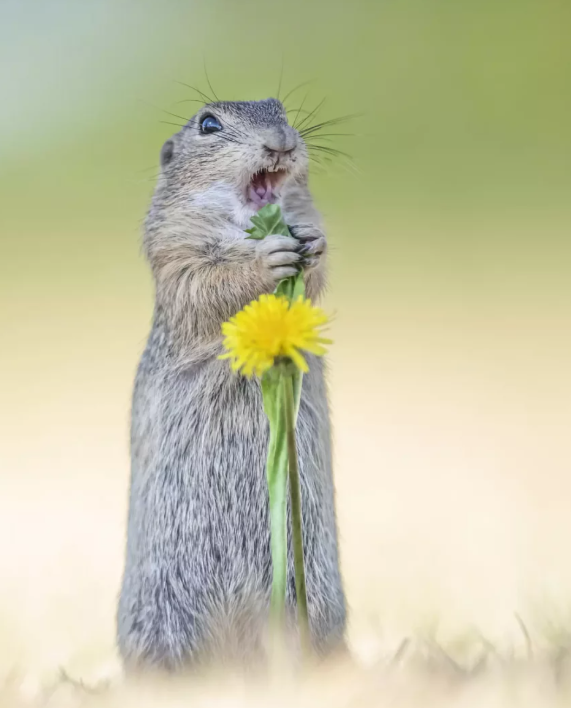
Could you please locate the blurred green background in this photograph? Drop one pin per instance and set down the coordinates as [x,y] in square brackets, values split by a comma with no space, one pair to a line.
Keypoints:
[462,153]
[450,276]
[458,200]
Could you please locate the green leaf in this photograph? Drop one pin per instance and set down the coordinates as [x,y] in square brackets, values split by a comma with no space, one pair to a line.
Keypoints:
[292,287]
[285,288]
[268,220]
[298,286]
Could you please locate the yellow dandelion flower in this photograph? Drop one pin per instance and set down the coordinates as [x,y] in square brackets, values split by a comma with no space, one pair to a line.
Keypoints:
[272,327]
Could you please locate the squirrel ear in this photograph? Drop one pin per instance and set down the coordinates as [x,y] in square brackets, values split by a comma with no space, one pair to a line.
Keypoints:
[167,152]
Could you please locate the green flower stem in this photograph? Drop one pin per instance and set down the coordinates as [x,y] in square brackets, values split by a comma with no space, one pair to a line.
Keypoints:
[278,536]
[277,470]
[296,515]
[281,391]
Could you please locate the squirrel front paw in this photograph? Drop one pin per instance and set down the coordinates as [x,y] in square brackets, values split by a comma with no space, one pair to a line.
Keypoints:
[278,256]
[312,244]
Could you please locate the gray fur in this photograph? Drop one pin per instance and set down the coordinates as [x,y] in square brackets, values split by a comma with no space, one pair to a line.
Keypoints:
[198,569]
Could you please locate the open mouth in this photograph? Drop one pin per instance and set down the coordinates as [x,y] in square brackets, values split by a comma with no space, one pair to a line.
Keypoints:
[264,186]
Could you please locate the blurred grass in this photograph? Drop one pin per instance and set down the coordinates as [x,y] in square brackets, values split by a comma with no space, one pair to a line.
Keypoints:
[418,674]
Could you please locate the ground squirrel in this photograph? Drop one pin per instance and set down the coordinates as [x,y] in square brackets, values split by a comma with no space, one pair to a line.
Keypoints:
[198,572]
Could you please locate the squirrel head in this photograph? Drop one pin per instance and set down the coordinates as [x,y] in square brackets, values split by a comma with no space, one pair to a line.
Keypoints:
[232,158]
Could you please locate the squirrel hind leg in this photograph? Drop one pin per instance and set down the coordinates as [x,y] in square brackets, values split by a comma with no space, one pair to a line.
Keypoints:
[160,635]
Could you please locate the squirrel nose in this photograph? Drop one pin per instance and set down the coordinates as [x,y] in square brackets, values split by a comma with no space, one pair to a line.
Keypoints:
[281,140]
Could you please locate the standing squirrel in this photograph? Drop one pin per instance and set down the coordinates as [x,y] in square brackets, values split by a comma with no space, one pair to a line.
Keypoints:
[198,568]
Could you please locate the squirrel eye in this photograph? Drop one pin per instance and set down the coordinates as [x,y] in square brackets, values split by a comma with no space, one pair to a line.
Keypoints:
[210,124]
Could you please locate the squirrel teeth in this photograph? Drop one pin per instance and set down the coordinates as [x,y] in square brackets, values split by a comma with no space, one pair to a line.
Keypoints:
[264,185]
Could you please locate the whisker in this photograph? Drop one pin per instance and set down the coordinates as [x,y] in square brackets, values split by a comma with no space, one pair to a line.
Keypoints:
[225,135]
[191,100]
[313,112]
[175,115]
[146,169]
[328,154]
[162,110]
[208,82]
[228,138]
[178,125]
[294,110]
[206,97]
[305,83]
[329,150]
[319,136]
[346,164]
[233,132]
[233,129]
[318,165]
[332,121]
[153,178]
[298,110]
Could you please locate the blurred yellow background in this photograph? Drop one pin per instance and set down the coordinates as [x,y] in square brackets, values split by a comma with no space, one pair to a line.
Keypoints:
[450,280]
